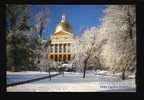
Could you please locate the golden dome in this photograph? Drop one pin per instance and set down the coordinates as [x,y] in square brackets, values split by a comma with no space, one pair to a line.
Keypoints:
[63,25]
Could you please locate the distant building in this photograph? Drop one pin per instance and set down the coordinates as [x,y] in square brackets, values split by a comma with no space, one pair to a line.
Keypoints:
[60,42]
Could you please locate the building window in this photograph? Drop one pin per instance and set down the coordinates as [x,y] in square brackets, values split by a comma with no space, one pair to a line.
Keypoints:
[64,58]
[56,58]
[55,48]
[51,48]
[60,48]
[60,57]
[51,56]
[69,56]
[64,47]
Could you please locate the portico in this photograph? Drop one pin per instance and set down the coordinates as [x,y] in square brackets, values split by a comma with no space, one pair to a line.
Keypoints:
[60,46]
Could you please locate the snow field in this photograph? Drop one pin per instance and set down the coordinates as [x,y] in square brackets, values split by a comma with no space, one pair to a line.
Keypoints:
[73,82]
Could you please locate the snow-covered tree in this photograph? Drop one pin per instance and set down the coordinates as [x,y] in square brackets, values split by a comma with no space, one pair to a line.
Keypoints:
[77,55]
[119,27]
[16,14]
[43,58]
[22,40]
[41,21]
[86,47]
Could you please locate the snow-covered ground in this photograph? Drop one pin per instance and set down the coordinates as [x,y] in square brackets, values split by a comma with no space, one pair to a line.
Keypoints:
[101,81]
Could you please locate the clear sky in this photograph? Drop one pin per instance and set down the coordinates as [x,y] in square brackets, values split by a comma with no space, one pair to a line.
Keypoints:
[79,16]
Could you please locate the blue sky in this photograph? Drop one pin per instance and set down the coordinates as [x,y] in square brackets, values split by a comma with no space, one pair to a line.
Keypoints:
[79,16]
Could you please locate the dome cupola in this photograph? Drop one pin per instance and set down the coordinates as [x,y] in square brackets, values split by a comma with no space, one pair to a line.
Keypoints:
[63,25]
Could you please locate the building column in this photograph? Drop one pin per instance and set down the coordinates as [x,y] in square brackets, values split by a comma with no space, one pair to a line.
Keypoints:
[66,48]
[62,48]
[56,48]
[66,57]
[53,48]
[62,51]
[53,57]
[69,46]
[62,58]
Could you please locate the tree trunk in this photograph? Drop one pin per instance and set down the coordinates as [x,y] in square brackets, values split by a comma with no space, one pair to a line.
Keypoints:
[49,73]
[84,70]
[85,65]
[63,73]
[123,75]
[13,69]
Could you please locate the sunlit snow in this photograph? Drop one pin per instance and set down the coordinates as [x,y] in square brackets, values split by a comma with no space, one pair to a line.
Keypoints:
[100,81]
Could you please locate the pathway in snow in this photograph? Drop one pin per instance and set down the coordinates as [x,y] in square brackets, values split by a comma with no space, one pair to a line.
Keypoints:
[14,77]
[73,82]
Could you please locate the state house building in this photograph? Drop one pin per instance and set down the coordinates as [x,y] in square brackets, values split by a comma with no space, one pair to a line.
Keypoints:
[60,42]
